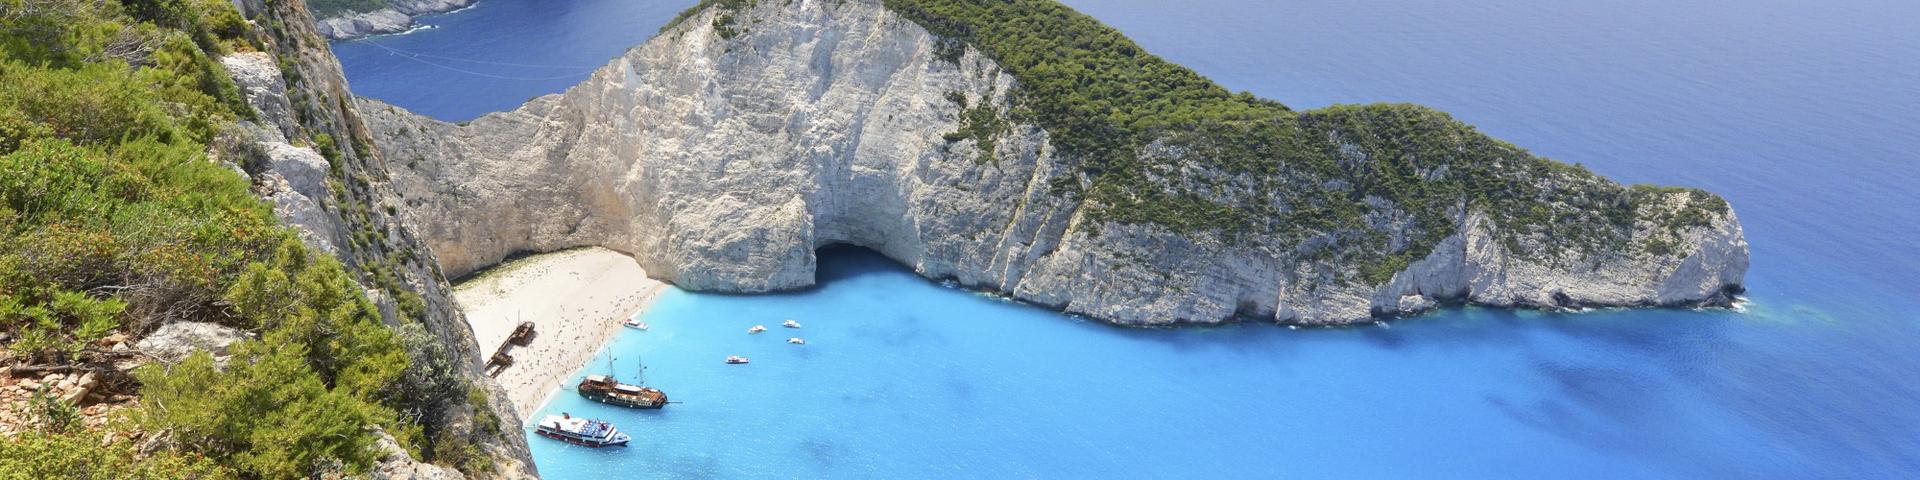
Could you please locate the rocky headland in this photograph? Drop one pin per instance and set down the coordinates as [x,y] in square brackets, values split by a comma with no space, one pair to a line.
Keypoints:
[725,151]
[396,17]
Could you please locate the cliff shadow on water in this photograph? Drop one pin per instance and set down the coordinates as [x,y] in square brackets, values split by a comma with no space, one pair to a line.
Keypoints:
[842,261]
[1667,338]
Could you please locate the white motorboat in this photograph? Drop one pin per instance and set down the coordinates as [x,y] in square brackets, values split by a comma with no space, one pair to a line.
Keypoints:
[736,359]
[757,329]
[797,341]
[581,431]
[635,323]
[790,324]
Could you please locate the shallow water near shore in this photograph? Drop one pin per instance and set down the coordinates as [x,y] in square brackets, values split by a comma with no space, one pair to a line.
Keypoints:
[1800,113]
[903,377]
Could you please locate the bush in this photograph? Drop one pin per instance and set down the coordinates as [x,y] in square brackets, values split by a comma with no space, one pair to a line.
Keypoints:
[298,400]
[329,8]
[59,329]
[722,23]
[53,415]
[113,218]
[266,415]
[33,456]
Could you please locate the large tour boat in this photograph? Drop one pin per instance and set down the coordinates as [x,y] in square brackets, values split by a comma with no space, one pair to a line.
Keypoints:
[581,431]
[605,389]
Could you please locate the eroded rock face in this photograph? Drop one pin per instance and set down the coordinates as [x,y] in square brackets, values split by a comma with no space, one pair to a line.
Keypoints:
[309,154]
[397,17]
[175,341]
[293,178]
[722,161]
[1476,267]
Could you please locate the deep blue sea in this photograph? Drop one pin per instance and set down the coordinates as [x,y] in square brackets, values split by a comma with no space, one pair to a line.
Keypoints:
[1805,114]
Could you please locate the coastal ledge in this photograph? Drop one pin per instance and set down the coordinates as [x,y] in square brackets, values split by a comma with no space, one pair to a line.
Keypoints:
[723,152]
[576,299]
[398,17]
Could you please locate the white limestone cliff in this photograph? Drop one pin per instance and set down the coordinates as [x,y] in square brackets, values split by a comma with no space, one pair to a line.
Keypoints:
[722,162]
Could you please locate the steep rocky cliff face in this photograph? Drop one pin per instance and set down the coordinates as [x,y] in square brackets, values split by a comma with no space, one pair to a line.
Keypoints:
[311,157]
[723,152]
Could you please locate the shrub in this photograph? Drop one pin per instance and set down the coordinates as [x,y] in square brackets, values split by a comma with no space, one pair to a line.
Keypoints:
[53,415]
[33,456]
[267,414]
[113,218]
[328,8]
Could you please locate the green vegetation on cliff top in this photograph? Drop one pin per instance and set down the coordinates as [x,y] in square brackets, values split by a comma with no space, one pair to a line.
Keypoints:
[331,8]
[114,219]
[1353,174]
[1156,143]
[37,456]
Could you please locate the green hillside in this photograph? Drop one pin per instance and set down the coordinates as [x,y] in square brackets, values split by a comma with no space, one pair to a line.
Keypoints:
[1269,171]
[330,8]
[113,219]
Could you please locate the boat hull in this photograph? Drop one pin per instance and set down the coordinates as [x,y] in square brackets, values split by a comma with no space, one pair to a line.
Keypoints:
[605,389]
[619,402]
[577,440]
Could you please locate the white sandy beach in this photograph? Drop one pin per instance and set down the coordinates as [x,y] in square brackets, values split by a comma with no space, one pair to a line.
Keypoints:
[576,300]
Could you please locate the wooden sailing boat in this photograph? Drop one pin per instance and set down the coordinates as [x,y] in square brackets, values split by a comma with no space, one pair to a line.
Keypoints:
[606,389]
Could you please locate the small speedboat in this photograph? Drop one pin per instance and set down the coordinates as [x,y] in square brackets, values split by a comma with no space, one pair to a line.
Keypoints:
[581,431]
[790,324]
[757,329]
[797,341]
[736,359]
[635,323]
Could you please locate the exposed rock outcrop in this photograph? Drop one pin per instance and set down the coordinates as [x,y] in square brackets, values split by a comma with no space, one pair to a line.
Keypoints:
[397,17]
[723,152]
[396,464]
[309,154]
[175,341]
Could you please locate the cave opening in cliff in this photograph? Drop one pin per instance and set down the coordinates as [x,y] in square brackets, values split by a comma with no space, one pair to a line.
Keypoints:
[842,261]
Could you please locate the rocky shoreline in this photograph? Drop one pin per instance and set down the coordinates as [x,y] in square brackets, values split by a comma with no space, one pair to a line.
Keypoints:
[398,17]
[722,158]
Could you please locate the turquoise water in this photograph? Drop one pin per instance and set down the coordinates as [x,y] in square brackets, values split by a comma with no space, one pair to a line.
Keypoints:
[1804,114]
[901,377]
